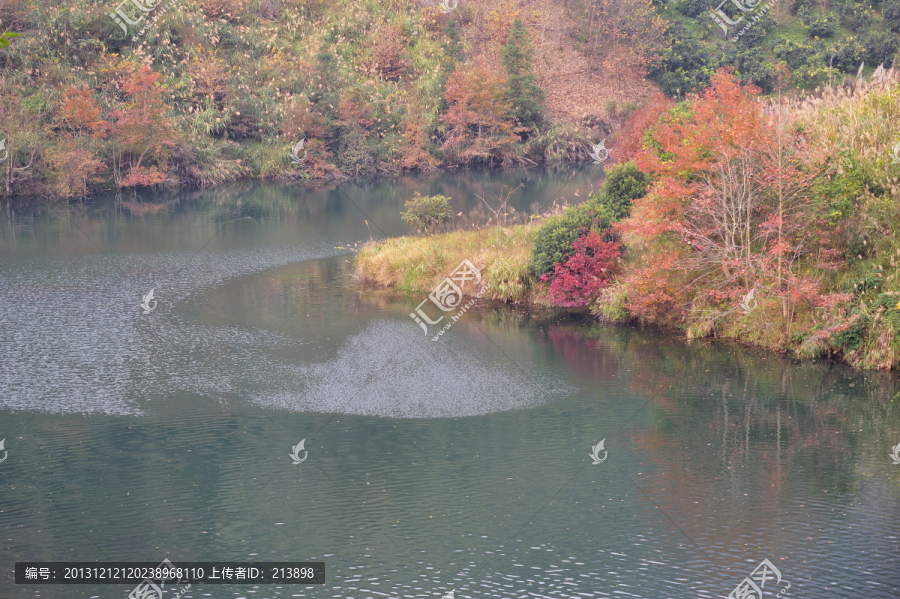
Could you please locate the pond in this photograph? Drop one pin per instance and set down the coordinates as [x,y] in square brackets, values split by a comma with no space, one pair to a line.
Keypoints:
[459,464]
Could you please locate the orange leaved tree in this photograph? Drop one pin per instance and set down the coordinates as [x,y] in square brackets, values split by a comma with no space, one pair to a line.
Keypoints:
[478,121]
[141,129]
[73,161]
[731,199]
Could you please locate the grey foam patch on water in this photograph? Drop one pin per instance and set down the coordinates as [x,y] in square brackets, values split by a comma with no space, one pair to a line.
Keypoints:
[389,369]
[73,339]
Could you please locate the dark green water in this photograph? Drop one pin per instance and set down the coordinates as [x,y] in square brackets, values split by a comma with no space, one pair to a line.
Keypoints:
[458,464]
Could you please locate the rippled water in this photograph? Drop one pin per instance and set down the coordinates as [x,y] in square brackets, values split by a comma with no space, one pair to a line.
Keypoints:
[459,464]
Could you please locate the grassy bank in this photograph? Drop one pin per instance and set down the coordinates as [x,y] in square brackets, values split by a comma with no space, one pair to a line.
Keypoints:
[418,264]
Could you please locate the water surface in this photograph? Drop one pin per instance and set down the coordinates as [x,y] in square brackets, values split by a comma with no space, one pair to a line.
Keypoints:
[458,464]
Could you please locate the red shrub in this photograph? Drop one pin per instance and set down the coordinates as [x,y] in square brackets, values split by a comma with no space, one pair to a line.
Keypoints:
[576,283]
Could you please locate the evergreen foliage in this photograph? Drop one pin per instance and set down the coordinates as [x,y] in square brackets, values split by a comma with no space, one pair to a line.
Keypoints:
[522,90]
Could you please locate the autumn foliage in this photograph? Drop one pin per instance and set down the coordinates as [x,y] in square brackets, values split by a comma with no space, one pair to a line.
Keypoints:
[629,141]
[478,121]
[141,129]
[577,282]
[80,113]
[74,168]
[136,132]
[731,209]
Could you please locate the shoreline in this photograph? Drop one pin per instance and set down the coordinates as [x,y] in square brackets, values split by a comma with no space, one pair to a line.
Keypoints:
[507,279]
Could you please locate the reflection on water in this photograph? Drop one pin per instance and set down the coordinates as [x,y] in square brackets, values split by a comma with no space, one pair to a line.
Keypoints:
[459,464]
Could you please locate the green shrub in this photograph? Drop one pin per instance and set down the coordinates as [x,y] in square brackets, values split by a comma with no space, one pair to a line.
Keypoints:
[863,284]
[841,192]
[888,301]
[752,35]
[692,8]
[881,47]
[853,337]
[794,55]
[427,212]
[624,183]
[806,60]
[824,27]
[553,242]
[856,15]
[819,25]
[683,63]
[848,55]
[749,63]
[890,12]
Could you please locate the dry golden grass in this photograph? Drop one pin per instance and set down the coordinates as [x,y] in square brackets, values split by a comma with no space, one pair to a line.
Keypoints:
[862,123]
[418,264]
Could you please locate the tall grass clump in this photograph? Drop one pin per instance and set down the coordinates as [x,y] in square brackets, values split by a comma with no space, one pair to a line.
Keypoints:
[418,264]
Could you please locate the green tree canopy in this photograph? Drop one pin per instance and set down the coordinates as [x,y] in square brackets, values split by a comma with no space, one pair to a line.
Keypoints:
[522,90]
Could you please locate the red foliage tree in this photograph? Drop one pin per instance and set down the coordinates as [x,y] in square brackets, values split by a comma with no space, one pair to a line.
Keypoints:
[73,162]
[730,205]
[701,156]
[630,140]
[73,168]
[80,113]
[141,128]
[413,147]
[479,120]
[584,274]
[656,289]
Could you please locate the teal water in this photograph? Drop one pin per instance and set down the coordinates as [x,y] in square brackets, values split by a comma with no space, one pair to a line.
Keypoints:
[458,464]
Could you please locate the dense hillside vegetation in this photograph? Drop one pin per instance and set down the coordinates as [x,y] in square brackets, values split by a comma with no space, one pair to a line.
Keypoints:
[819,40]
[207,92]
[201,92]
